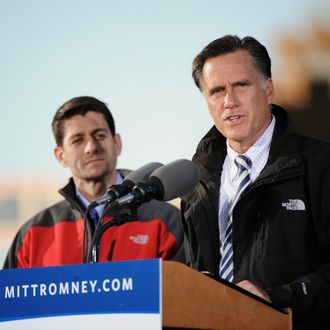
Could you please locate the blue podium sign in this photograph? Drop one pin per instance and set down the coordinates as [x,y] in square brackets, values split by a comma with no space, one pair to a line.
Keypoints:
[116,295]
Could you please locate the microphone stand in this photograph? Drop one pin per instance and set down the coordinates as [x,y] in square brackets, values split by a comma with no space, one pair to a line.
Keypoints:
[128,216]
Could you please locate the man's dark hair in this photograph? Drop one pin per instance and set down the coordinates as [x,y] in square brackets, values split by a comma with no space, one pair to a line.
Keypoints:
[228,44]
[79,106]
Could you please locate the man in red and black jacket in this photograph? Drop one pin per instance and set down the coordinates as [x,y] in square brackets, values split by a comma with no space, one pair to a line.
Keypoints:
[87,143]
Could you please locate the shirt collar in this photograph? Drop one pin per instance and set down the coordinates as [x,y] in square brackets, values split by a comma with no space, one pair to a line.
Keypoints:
[259,147]
[99,209]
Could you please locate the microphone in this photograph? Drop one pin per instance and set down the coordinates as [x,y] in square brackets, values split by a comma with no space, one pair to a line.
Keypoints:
[118,190]
[165,183]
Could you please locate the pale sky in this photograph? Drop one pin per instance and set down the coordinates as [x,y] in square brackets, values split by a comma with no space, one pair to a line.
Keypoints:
[134,55]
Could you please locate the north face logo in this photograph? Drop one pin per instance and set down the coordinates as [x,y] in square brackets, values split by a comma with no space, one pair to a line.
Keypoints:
[294,205]
[140,239]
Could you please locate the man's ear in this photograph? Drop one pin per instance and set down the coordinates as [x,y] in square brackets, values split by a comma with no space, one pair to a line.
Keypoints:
[60,156]
[270,90]
[118,144]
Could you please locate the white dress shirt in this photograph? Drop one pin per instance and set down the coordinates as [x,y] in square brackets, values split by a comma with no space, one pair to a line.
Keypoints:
[258,154]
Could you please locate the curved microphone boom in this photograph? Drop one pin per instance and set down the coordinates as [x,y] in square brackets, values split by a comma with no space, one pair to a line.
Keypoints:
[165,183]
[115,191]
[118,190]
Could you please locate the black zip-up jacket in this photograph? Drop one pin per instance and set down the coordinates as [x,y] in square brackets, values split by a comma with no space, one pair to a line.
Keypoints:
[281,222]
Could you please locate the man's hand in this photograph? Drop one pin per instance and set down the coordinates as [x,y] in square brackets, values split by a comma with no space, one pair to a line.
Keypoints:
[248,286]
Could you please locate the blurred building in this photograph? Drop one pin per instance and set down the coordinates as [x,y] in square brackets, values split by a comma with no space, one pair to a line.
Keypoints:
[302,77]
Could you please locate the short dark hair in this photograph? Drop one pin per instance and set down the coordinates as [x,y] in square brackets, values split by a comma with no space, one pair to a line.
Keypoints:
[228,44]
[79,106]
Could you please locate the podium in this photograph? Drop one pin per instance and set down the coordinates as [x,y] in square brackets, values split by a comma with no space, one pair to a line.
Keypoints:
[195,301]
[140,294]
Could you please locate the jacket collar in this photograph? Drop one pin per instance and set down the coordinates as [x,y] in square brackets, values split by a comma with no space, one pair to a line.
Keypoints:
[285,149]
[69,193]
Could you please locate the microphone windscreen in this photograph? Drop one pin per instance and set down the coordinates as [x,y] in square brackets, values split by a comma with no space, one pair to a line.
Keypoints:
[141,174]
[175,179]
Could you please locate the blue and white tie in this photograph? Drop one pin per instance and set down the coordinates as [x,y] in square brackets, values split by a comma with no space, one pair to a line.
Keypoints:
[227,263]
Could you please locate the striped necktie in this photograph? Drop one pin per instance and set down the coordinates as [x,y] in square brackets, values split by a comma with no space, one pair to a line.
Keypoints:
[243,164]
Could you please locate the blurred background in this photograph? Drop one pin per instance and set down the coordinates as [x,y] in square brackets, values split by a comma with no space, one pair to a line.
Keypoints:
[136,56]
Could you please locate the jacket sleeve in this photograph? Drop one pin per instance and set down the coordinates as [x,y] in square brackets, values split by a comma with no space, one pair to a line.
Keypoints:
[188,239]
[19,253]
[311,292]
[11,260]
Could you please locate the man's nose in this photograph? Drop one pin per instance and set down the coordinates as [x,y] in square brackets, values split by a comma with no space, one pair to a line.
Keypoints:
[230,99]
[91,146]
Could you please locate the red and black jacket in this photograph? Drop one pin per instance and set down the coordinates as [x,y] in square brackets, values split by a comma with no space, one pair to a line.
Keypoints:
[55,235]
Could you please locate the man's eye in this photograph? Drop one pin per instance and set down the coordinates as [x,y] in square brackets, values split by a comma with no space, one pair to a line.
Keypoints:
[243,84]
[217,91]
[75,141]
[100,136]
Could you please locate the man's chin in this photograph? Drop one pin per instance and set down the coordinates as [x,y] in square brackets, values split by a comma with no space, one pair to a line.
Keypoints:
[96,176]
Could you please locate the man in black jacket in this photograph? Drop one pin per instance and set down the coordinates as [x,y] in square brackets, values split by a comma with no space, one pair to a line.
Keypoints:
[272,237]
